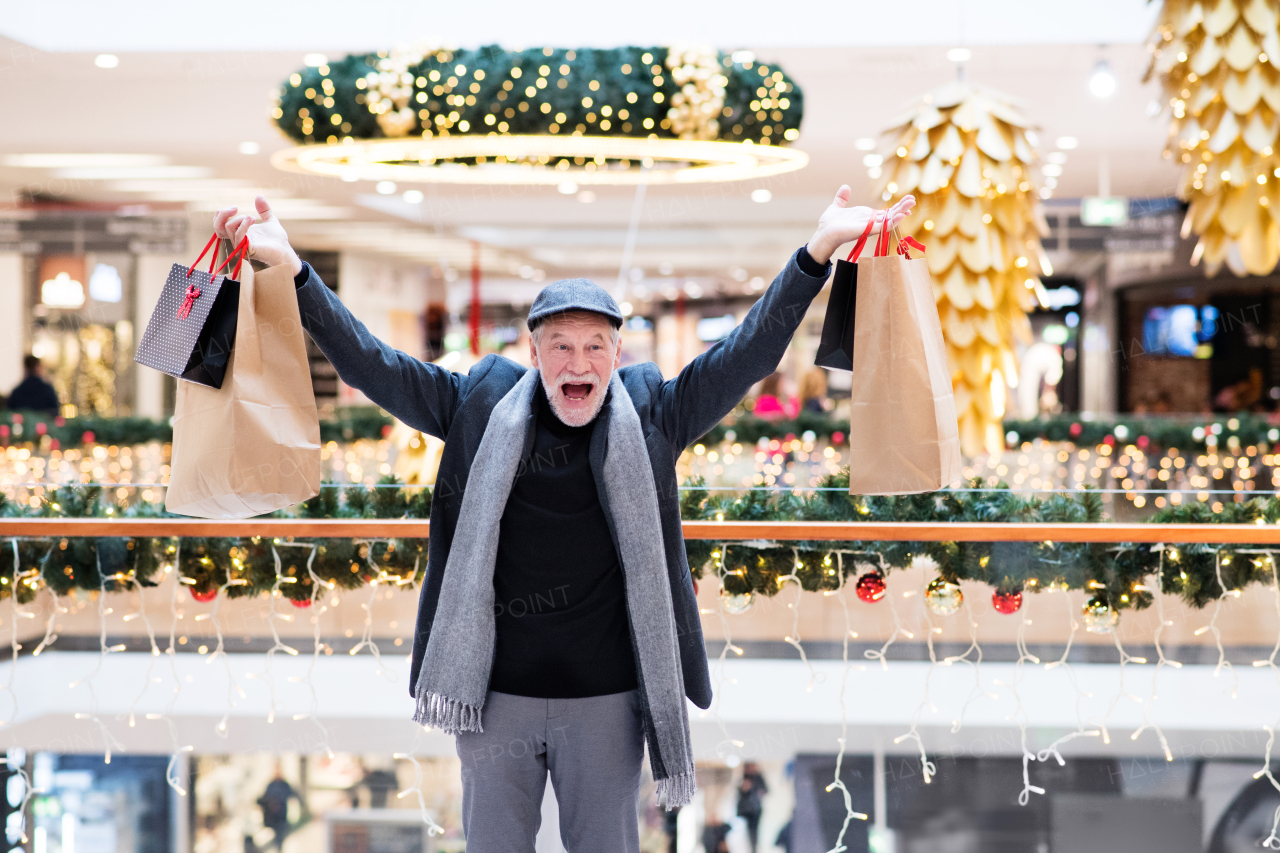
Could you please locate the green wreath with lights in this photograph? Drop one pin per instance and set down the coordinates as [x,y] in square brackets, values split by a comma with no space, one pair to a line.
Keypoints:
[648,92]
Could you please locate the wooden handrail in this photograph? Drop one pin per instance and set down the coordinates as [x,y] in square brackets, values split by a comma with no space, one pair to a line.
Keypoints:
[781,531]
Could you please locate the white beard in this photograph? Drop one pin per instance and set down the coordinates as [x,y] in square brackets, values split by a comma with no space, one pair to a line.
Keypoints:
[581,417]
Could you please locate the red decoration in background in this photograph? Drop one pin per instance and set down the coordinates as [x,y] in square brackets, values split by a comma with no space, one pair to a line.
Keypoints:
[17,419]
[42,428]
[837,437]
[1075,430]
[870,587]
[1007,602]
[207,595]
[474,318]
[305,602]
[88,437]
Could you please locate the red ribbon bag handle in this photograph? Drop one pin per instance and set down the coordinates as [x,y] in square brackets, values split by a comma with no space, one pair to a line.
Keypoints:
[243,251]
[856,252]
[213,260]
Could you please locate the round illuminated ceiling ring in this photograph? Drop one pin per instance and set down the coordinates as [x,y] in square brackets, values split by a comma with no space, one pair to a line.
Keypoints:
[542,159]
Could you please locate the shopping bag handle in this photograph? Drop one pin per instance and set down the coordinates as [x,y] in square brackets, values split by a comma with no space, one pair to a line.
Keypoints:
[213,260]
[241,249]
[862,241]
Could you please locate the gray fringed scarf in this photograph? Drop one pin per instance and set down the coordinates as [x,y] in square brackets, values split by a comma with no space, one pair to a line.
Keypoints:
[454,677]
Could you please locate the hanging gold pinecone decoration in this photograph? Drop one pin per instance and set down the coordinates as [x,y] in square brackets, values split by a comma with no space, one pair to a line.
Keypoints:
[966,154]
[1216,62]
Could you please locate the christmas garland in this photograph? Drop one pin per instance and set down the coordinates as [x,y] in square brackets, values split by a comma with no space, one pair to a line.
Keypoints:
[1242,430]
[653,92]
[1115,575]
[57,433]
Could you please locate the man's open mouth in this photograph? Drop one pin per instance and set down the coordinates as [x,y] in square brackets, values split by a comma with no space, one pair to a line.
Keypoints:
[576,391]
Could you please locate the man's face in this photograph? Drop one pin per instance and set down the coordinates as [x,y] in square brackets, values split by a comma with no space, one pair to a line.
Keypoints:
[576,356]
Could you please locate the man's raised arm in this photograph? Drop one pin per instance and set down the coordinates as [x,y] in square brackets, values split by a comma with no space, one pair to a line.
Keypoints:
[710,386]
[424,396]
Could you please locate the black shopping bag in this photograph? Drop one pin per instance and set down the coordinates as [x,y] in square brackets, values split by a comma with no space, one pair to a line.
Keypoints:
[835,347]
[192,330]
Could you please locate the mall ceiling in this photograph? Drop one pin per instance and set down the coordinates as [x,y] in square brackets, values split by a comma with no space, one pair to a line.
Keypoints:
[193,84]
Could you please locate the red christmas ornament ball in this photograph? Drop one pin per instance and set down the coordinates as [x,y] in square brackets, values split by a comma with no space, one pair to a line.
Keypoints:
[207,595]
[870,587]
[1007,602]
[300,602]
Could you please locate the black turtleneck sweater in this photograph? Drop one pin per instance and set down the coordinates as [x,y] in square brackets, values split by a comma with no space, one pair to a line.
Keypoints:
[560,598]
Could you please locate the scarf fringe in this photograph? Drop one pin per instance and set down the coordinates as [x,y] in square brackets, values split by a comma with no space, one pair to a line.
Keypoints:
[451,716]
[677,791]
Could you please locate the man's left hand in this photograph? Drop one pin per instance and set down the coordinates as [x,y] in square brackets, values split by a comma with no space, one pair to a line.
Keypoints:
[842,224]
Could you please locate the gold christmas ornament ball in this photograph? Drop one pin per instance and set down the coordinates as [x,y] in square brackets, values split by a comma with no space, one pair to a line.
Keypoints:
[943,597]
[736,603]
[1099,616]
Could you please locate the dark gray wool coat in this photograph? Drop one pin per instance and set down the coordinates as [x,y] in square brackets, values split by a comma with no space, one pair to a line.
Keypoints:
[673,414]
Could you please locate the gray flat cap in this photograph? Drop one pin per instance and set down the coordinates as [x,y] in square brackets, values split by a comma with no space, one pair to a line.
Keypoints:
[573,294]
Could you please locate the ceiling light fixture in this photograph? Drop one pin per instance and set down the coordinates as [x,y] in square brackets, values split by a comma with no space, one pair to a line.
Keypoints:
[866,143]
[1102,82]
[249,148]
[412,196]
[386,187]
[67,161]
[1066,143]
[106,60]
[526,160]
[761,196]
[567,188]
[315,60]
[959,54]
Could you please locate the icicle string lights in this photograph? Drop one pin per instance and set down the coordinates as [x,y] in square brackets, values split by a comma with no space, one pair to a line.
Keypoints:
[1161,661]
[837,783]
[1052,749]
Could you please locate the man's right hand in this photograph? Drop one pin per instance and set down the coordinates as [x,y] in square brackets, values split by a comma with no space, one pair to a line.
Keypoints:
[268,241]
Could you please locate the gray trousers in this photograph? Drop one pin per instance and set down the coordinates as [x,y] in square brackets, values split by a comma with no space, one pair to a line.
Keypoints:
[592,748]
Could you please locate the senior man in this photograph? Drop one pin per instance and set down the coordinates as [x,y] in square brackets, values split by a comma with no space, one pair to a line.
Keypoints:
[557,631]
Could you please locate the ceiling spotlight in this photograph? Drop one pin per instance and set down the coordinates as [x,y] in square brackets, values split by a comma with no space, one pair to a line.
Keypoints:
[249,148]
[1154,108]
[315,60]
[959,54]
[1057,157]
[350,177]
[626,308]
[872,160]
[1051,170]
[412,196]
[106,60]
[1102,83]
[866,143]
[761,196]
[567,187]
[386,187]
[666,268]
[1067,143]
[586,196]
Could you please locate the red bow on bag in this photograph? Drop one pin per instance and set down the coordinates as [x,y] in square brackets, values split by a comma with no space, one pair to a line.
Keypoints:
[193,293]
[882,241]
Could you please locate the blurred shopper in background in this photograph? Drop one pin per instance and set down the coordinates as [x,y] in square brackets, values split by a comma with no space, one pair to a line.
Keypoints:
[770,404]
[813,391]
[34,393]
[751,791]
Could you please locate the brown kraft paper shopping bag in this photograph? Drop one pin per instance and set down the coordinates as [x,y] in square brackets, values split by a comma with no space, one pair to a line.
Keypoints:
[903,434]
[252,446]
